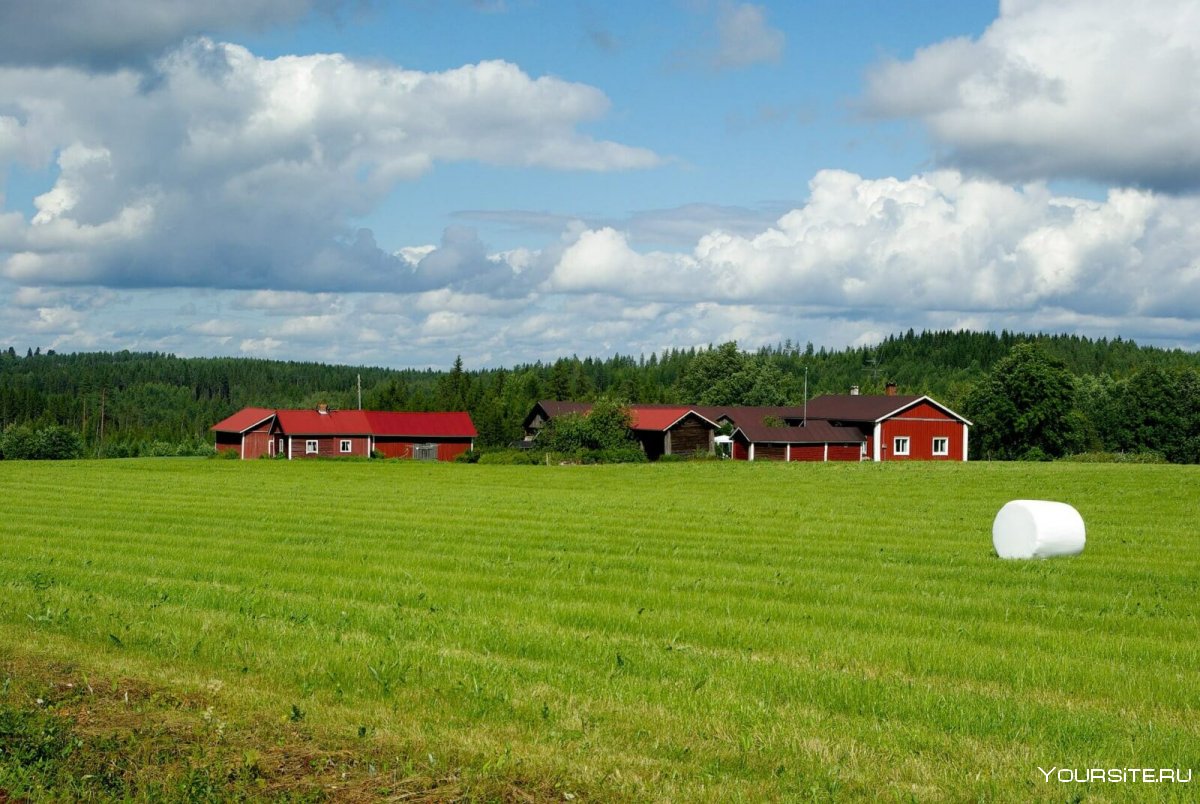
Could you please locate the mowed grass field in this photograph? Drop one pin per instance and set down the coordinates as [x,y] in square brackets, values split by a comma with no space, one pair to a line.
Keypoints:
[677,632]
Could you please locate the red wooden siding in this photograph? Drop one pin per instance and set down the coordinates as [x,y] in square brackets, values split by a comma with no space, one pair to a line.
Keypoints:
[328,446]
[920,439]
[924,410]
[845,452]
[805,452]
[448,451]
[398,448]
[741,451]
[255,443]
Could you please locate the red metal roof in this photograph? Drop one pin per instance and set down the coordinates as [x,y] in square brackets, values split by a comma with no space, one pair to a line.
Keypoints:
[335,422]
[647,418]
[243,420]
[444,425]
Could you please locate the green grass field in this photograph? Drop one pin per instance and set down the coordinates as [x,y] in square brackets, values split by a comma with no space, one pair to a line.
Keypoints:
[190,629]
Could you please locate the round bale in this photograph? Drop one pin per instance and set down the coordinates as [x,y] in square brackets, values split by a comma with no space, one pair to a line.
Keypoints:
[1037,529]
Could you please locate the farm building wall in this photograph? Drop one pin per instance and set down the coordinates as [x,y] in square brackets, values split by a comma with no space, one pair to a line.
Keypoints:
[845,452]
[228,442]
[329,446]
[255,443]
[924,412]
[770,452]
[805,452]
[691,435]
[741,450]
[921,434]
[447,450]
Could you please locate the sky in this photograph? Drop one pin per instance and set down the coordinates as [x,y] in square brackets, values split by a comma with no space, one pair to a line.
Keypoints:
[400,183]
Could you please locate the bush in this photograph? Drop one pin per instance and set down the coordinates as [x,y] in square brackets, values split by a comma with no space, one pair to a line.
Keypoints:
[17,443]
[470,456]
[1144,456]
[623,454]
[51,443]
[604,431]
[512,457]
[58,443]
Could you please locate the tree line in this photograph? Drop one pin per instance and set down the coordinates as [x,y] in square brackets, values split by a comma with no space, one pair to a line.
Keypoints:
[1066,394]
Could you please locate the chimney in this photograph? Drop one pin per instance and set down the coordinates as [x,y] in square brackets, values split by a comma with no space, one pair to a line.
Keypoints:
[890,389]
[322,408]
[853,390]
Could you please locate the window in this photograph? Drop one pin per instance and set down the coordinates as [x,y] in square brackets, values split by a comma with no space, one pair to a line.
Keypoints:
[900,445]
[941,446]
[280,449]
[345,445]
[310,447]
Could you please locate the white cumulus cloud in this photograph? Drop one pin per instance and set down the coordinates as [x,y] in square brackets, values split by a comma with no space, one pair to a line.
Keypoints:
[1103,90]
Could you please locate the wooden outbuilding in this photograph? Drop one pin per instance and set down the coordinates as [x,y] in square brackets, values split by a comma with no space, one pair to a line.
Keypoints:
[659,429]
[671,431]
[815,441]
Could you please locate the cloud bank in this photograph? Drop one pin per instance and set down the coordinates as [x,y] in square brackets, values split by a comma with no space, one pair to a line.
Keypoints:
[106,34]
[223,169]
[860,259]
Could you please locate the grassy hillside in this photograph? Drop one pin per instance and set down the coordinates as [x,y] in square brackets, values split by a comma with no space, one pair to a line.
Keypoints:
[190,628]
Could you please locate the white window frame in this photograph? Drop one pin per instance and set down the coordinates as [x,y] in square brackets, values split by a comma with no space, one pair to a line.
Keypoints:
[310,446]
[896,445]
[945,450]
[345,445]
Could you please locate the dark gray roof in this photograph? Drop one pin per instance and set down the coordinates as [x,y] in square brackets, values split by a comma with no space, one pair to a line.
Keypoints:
[815,432]
[858,408]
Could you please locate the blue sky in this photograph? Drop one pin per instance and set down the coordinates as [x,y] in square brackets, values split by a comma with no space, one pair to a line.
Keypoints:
[400,183]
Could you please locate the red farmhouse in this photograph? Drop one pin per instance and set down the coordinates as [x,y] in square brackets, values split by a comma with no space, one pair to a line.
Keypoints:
[324,433]
[897,428]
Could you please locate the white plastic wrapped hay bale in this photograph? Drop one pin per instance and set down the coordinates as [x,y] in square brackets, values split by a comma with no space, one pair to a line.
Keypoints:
[1037,529]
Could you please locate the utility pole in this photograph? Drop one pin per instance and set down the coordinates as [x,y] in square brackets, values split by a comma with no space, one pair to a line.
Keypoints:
[360,392]
[805,396]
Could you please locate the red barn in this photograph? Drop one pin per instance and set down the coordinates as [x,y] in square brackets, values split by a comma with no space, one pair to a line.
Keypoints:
[325,433]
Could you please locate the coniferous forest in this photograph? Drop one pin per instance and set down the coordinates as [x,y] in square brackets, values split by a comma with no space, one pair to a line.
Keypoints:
[1029,396]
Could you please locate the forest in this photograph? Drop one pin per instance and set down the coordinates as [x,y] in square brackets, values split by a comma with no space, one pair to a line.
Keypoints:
[1031,396]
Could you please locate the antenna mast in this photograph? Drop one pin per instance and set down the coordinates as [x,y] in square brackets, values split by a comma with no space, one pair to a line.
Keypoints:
[805,397]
